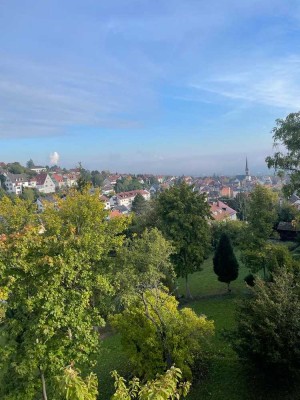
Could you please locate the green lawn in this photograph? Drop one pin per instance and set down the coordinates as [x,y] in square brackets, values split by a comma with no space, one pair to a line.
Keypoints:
[205,282]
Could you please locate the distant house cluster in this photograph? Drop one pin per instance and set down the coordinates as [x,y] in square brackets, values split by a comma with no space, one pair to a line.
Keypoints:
[216,189]
[43,181]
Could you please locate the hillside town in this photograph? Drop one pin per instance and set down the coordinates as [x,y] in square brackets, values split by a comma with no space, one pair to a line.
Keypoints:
[42,183]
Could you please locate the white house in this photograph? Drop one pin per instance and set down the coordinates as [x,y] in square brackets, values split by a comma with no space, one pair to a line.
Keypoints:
[126,198]
[14,183]
[38,169]
[106,202]
[45,184]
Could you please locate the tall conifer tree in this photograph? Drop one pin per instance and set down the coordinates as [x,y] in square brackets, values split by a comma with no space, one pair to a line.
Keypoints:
[225,263]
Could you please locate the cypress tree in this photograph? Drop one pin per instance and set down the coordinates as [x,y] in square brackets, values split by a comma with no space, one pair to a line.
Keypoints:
[226,266]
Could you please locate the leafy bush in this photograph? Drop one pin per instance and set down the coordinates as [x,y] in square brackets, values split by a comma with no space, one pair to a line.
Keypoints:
[268,325]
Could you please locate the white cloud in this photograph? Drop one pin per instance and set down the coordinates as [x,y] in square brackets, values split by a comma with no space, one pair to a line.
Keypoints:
[54,158]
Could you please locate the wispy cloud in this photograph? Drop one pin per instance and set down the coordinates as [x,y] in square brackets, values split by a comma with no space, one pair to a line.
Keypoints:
[274,83]
[39,100]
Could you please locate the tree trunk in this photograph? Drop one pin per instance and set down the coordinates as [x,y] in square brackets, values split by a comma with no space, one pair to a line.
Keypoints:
[187,288]
[43,384]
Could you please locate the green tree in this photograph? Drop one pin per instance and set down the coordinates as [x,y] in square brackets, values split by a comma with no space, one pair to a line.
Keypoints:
[235,230]
[268,325]
[261,215]
[143,263]
[74,387]
[2,181]
[164,387]
[286,140]
[30,164]
[167,386]
[139,204]
[183,217]
[51,277]
[156,335]
[286,212]
[97,179]
[226,266]
[16,168]
[29,194]
[268,258]
[240,204]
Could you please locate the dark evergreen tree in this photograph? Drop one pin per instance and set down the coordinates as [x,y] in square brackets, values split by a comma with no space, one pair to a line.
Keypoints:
[139,204]
[225,263]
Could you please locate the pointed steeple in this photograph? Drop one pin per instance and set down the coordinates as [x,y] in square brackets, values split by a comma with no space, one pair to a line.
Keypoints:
[247,169]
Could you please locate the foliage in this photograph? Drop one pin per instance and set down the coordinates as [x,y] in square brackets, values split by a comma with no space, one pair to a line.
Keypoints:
[286,212]
[139,204]
[156,335]
[235,230]
[268,258]
[286,134]
[74,387]
[261,215]
[269,323]
[29,194]
[52,276]
[126,184]
[143,263]
[30,164]
[183,217]
[163,387]
[16,214]
[226,266]
[148,219]
[240,204]
[2,182]
[97,178]
[16,168]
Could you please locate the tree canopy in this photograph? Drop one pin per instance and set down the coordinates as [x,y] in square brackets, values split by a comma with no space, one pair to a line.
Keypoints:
[286,141]
[183,217]
[269,324]
[156,335]
[52,265]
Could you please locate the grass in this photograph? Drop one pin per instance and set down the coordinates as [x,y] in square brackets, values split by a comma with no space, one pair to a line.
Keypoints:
[110,358]
[205,282]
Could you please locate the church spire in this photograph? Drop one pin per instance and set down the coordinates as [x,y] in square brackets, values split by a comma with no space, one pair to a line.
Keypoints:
[247,169]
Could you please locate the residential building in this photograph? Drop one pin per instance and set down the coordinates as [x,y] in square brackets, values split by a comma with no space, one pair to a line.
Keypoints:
[45,184]
[221,211]
[14,183]
[126,198]
[106,202]
[38,169]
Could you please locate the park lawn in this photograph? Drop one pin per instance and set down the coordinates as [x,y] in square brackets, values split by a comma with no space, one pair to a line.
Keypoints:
[205,282]
[110,358]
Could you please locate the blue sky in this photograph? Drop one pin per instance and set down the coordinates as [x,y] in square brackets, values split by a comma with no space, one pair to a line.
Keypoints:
[164,86]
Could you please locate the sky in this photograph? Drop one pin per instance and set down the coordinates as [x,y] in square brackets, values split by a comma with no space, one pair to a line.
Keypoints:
[167,86]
